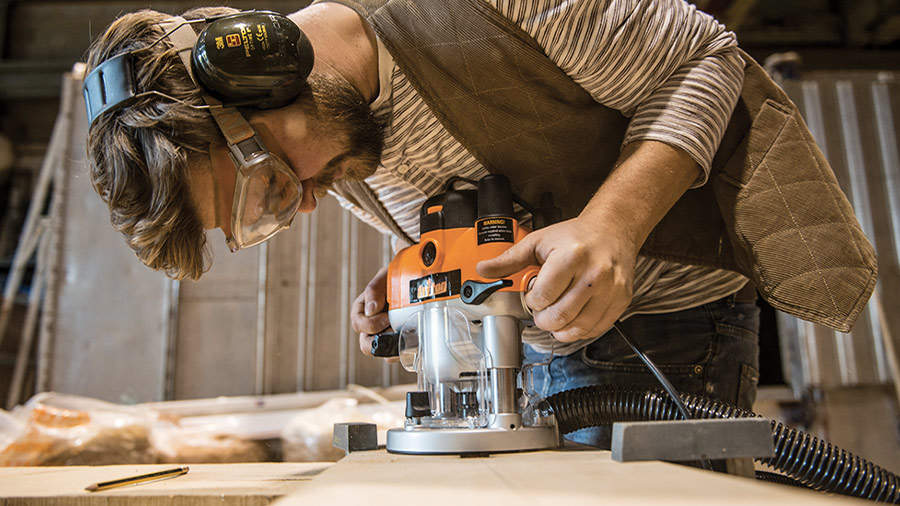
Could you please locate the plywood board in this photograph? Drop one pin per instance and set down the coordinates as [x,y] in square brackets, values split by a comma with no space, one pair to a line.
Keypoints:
[378,478]
[548,478]
[205,484]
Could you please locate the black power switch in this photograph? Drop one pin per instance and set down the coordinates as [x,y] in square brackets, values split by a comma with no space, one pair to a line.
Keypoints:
[476,292]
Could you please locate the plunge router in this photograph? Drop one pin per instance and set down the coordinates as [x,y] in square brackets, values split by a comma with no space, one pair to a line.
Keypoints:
[461,333]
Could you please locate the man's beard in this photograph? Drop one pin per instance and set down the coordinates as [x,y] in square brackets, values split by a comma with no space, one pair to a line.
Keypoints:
[340,111]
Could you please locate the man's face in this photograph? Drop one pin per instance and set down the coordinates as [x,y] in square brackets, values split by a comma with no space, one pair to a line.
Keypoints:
[340,112]
[327,134]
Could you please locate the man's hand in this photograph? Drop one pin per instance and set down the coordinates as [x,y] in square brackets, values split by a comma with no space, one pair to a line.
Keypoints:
[587,263]
[369,312]
[585,281]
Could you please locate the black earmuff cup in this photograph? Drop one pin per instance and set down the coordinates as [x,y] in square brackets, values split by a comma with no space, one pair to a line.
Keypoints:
[256,58]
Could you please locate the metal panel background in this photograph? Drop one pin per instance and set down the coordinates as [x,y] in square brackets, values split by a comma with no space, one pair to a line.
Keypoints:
[337,256]
[853,116]
[107,334]
[215,350]
[275,319]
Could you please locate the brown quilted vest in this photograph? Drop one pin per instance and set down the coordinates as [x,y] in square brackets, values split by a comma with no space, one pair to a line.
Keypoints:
[772,208]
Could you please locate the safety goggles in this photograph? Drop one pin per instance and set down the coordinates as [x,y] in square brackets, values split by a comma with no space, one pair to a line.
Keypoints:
[267,194]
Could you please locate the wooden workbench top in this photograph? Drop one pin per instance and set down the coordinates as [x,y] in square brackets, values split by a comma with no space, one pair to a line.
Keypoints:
[219,484]
[377,478]
[548,478]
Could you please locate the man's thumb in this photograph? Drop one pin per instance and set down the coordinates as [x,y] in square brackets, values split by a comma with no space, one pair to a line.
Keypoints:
[513,260]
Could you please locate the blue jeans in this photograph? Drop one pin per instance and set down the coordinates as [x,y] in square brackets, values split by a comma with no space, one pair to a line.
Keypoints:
[711,350]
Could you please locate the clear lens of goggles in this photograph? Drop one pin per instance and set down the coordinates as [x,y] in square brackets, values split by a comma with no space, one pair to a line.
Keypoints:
[267,194]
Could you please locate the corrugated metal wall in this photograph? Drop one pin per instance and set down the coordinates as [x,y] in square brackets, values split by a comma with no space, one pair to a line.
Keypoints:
[853,117]
[275,318]
[106,316]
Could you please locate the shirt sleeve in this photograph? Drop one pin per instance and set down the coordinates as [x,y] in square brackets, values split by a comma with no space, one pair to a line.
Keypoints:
[360,213]
[674,70]
[349,203]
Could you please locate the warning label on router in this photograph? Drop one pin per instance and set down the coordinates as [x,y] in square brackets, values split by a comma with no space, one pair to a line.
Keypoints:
[495,230]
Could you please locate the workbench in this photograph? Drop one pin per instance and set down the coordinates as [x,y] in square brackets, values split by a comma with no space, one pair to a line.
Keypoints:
[205,484]
[378,478]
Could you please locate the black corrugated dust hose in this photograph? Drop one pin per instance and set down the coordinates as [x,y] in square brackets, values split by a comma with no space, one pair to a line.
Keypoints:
[810,461]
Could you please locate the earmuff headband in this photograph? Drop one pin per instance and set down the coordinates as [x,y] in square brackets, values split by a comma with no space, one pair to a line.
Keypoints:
[270,70]
[109,85]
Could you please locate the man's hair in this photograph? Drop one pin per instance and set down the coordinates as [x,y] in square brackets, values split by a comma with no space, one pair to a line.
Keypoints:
[138,154]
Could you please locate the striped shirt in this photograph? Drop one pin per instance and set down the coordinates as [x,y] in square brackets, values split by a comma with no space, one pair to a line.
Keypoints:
[670,68]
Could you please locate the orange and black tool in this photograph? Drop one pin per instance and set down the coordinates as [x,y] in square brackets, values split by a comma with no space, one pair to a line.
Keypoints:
[458,229]
[461,333]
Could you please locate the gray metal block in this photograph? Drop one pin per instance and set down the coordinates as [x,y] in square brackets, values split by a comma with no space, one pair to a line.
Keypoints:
[355,437]
[692,439]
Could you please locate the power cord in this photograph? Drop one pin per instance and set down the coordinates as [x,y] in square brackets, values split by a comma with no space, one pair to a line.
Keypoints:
[669,388]
[666,384]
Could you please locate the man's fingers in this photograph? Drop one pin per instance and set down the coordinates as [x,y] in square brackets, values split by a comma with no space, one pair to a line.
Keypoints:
[370,324]
[603,312]
[567,308]
[375,294]
[365,343]
[373,305]
[368,312]
[516,258]
[357,312]
[594,319]
[553,279]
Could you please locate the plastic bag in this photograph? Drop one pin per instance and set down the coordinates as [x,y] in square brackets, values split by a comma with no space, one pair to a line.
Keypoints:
[57,430]
[308,436]
[208,443]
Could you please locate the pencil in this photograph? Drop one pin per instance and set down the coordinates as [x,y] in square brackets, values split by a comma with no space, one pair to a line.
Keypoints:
[133,480]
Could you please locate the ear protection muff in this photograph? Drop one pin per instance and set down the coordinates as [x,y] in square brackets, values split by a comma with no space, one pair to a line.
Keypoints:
[259,58]
[252,58]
